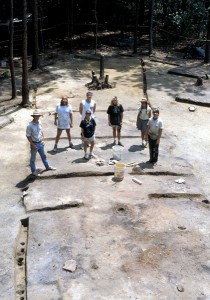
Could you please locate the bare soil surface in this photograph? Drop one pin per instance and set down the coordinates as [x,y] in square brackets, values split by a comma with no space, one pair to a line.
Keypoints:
[128,241]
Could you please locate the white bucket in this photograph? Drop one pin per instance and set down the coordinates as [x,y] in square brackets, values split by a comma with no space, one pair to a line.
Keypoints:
[117,152]
[119,171]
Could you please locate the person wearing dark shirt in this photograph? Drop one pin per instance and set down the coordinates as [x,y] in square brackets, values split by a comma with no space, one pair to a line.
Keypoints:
[115,117]
[88,126]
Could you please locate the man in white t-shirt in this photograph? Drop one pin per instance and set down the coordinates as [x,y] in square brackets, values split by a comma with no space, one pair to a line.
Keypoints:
[154,132]
[63,121]
[87,104]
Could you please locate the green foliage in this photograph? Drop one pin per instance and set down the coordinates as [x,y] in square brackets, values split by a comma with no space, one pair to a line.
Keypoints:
[185,18]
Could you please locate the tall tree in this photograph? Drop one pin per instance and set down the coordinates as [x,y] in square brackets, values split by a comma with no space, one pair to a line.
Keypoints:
[136,27]
[207,54]
[151,26]
[11,55]
[70,23]
[35,55]
[25,86]
[96,28]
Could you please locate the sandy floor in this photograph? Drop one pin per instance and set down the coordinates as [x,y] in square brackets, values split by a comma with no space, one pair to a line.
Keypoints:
[128,241]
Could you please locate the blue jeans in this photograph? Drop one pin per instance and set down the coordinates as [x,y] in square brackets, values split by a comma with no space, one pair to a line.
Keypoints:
[40,149]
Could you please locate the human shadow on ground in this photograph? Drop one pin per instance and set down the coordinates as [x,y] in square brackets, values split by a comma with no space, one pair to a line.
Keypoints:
[108,146]
[136,148]
[23,184]
[146,165]
[59,150]
[80,160]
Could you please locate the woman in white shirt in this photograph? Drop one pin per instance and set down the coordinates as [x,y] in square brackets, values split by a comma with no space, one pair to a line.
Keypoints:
[63,121]
[143,116]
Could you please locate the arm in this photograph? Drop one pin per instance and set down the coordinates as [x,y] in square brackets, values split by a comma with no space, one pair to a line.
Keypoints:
[121,114]
[109,123]
[31,142]
[121,117]
[55,118]
[82,130]
[137,119]
[94,108]
[159,136]
[146,133]
[94,128]
[71,118]
[80,108]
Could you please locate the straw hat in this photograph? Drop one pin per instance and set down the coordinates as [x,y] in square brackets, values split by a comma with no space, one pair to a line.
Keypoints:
[36,113]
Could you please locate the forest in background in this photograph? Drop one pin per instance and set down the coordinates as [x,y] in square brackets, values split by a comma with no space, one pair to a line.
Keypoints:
[69,21]
[31,27]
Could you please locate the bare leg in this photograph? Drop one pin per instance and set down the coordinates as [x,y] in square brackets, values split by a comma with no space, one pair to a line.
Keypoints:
[85,145]
[114,133]
[91,146]
[118,134]
[59,131]
[68,134]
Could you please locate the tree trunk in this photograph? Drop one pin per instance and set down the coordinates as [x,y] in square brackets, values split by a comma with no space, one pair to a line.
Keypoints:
[101,67]
[70,17]
[207,54]
[136,28]
[25,87]
[35,55]
[151,27]
[96,33]
[12,69]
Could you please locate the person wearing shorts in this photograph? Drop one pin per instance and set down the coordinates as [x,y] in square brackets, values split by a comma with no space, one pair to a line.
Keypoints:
[115,117]
[87,104]
[88,126]
[143,116]
[63,121]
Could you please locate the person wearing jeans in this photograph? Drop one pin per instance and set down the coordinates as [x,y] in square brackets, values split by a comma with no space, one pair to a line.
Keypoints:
[34,135]
[154,132]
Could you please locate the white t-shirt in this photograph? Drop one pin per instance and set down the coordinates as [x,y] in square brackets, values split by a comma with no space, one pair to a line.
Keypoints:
[144,113]
[88,106]
[154,126]
[63,112]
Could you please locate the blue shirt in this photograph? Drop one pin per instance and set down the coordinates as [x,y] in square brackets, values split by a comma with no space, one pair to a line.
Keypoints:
[88,127]
[34,130]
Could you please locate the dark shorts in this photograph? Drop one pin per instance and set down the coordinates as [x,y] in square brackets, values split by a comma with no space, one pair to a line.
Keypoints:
[142,125]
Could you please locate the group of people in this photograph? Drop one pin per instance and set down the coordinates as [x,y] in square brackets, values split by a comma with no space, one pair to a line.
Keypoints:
[150,126]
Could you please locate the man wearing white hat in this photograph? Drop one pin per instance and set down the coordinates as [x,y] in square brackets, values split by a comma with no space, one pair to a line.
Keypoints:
[34,135]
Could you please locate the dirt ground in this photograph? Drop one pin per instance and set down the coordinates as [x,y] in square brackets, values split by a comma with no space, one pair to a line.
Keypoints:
[128,241]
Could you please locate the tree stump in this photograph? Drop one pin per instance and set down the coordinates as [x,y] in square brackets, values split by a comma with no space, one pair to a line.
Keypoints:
[199,81]
[97,84]
[105,84]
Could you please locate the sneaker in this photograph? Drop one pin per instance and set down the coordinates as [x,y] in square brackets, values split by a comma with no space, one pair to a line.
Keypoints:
[115,142]
[145,144]
[86,156]
[51,168]
[36,173]
[55,148]
[92,155]
[120,144]
[71,145]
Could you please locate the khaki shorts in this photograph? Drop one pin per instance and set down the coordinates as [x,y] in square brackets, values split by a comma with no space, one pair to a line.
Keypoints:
[90,139]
